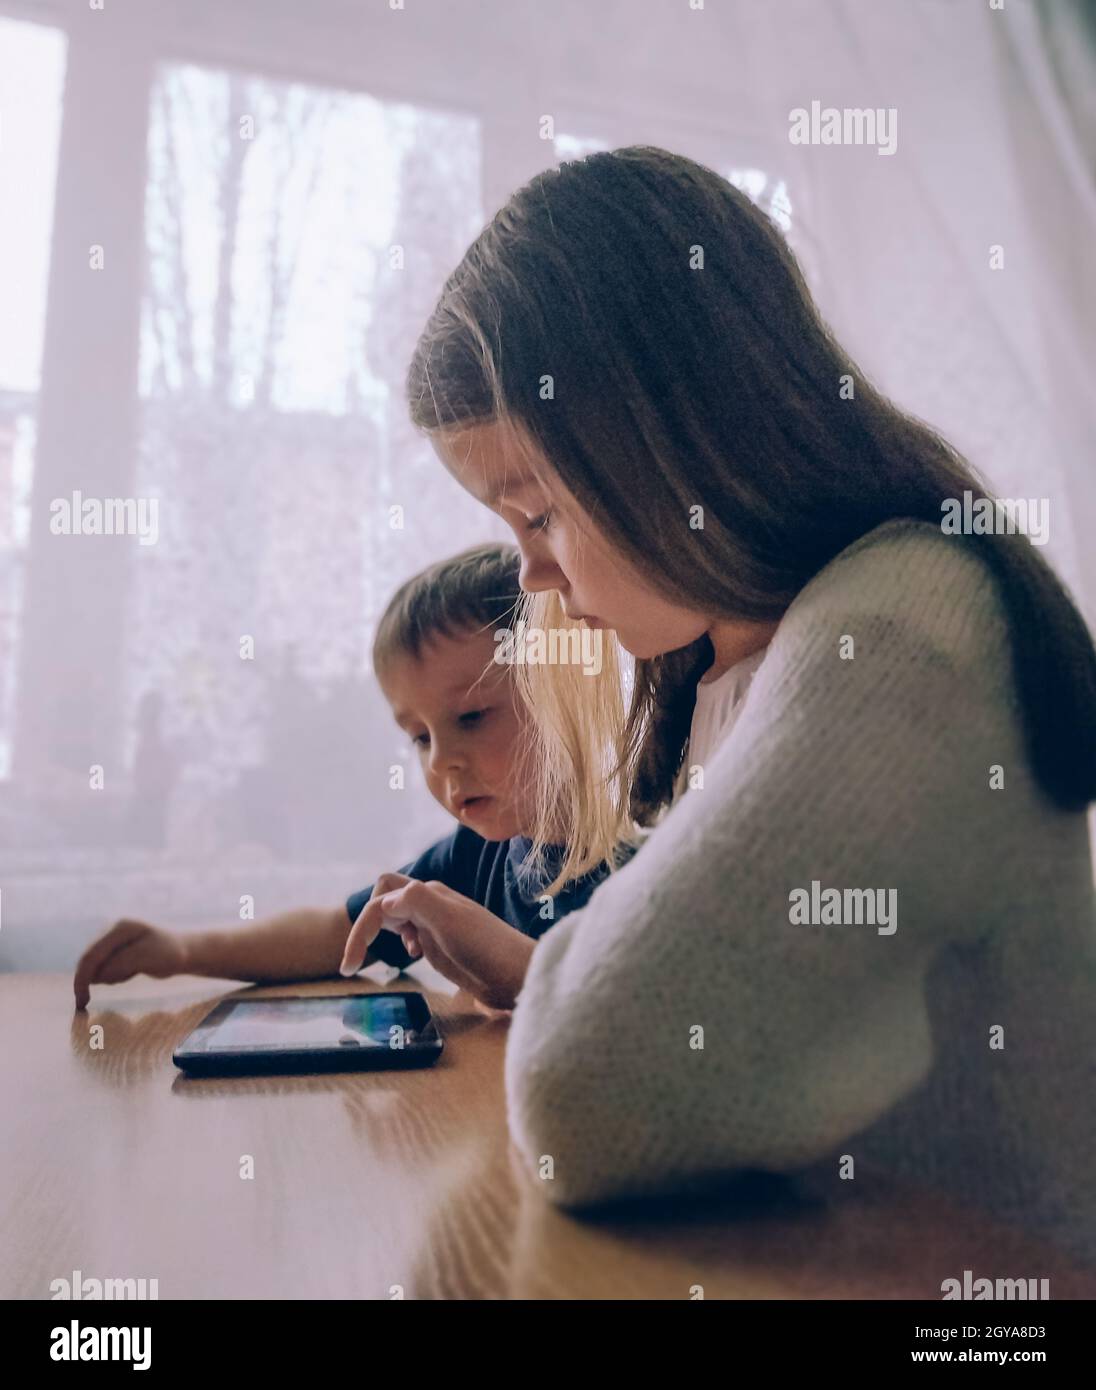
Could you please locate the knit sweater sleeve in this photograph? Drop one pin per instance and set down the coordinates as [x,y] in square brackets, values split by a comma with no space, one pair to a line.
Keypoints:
[682,1024]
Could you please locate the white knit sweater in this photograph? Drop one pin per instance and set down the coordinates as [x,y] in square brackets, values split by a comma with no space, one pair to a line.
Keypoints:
[826,1040]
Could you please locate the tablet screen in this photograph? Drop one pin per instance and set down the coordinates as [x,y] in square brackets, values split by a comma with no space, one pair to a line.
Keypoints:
[369,1020]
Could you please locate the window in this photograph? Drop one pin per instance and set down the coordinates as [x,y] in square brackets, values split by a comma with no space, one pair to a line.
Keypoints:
[576,146]
[767,191]
[32,68]
[296,240]
[770,194]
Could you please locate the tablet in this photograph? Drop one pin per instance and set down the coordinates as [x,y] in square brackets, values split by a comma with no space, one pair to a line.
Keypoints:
[340,1032]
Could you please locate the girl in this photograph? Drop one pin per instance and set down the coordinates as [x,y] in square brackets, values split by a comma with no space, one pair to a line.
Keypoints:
[863,936]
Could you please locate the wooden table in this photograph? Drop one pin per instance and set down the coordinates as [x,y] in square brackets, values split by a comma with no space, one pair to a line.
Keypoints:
[116,1165]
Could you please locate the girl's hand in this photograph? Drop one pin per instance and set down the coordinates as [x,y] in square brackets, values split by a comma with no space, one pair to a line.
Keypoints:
[469,945]
[128,949]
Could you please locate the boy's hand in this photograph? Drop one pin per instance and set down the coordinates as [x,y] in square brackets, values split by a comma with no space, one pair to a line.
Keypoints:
[128,949]
[365,928]
[469,945]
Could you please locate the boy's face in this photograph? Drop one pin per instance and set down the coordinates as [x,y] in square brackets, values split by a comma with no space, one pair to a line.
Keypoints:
[468,728]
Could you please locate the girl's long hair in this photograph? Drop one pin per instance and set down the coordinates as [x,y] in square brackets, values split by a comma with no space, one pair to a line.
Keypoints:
[633,320]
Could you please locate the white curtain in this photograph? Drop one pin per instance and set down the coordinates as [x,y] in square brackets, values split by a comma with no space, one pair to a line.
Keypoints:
[277,193]
[998,359]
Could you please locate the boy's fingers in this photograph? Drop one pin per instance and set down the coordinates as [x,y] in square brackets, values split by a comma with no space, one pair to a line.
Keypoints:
[442,961]
[419,911]
[423,904]
[89,966]
[458,938]
[442,918]
[368,923]
[365,928]
[120,966]
[387,883]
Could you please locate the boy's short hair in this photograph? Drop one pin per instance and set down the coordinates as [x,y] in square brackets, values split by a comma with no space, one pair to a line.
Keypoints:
[477,590]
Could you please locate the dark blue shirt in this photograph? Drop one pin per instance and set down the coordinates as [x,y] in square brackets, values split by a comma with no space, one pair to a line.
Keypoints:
[487,871]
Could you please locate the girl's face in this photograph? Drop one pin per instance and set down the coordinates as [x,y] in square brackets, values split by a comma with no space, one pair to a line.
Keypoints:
[467,728]
[562,549]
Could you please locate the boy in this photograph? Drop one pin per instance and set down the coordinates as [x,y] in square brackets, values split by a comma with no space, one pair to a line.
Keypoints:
[434,659]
